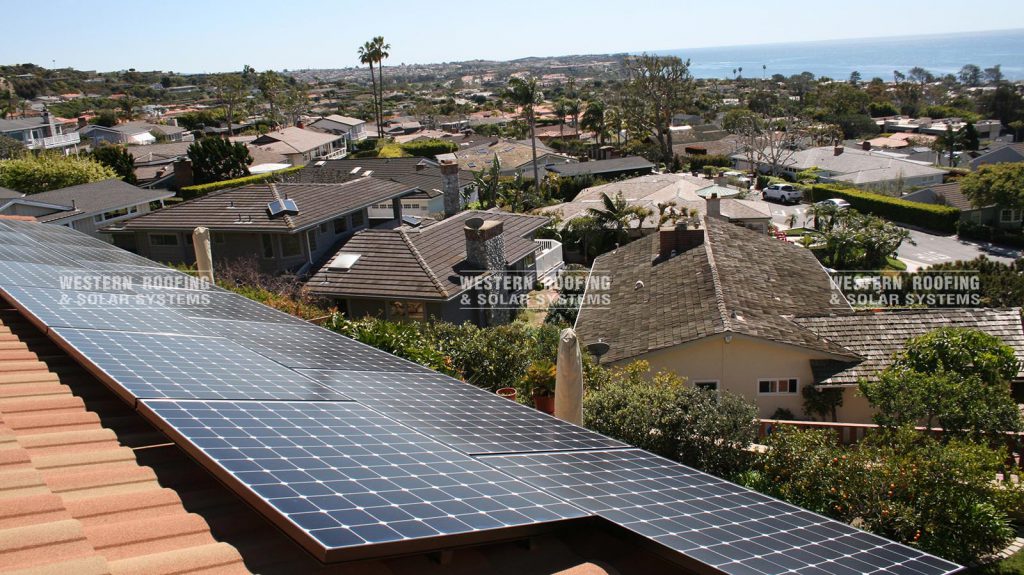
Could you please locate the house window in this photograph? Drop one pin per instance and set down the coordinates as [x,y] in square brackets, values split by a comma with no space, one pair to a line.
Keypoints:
[406,311]
[311,236]
[1009,216]
[163,239]
[268,246]
[115,214]
[711,385]
[290,246]
[340,225]
[358,219]
[777,386]
[323,228]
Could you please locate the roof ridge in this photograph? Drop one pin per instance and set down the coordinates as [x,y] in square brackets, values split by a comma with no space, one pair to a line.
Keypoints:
[277,196]
[716,281]
[422,262]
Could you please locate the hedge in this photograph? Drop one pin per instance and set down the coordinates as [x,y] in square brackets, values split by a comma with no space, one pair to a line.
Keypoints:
[189,192]
[933,217]
[429,148]
[698,162]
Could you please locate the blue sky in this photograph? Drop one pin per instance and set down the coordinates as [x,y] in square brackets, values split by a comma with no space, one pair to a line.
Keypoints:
[221,35]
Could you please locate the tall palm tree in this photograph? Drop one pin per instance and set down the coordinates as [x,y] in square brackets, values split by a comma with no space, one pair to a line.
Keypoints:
[561,112]
[595,118]
[380,53]
[573,109]
[617,214]
[524,92]
[366,56]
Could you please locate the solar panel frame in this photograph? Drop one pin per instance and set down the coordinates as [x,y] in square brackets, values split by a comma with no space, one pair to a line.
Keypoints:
[461,415]
[733,529]
[348,483]
[140,366]
[225,305]
[34,255]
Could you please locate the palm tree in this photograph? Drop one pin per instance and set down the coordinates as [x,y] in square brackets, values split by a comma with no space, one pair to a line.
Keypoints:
[617,214]
[366,56]
[524,92]
[595,119]
[380,53]
[561,111]
[949,141]
[573,109]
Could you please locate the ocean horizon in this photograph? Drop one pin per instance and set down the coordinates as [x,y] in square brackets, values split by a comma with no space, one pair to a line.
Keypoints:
[940,54]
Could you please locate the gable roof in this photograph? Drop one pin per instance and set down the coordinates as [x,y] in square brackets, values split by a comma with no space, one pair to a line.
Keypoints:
[340,121]
[417,172]
[878,336]
[857,166]
[738,281]
[1004,154]
[293,140]
[418,263]
[512,154]
[6,194]
[628,163]
[94,198]
[245,209]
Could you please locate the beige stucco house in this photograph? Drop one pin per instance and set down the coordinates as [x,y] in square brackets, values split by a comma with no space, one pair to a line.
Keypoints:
[734,310]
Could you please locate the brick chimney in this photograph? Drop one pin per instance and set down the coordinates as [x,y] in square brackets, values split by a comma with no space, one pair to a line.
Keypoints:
[837,151]
[82,122]
[674,240]
[485,253]
[450,184]
[866,146]
[714,207]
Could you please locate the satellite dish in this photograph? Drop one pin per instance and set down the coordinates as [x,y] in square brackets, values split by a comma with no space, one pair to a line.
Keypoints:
[474,223]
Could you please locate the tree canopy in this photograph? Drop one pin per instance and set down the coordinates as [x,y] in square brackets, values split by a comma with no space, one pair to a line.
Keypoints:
[1001,184]
[216,159]
[119,159]
[32,174]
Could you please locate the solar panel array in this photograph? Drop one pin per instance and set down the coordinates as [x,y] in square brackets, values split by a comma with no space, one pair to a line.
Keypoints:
[719,523]
[349,477]
[356,453]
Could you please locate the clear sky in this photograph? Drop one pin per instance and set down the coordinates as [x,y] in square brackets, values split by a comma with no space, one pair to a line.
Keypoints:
[222,35]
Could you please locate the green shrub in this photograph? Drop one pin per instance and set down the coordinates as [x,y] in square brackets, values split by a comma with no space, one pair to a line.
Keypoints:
[189,192]
[429,148]
[699,161]
[32,173]
[693,426]
[941,498]
[938,218]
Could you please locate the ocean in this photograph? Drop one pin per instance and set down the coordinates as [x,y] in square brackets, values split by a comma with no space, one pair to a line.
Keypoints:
[939,54]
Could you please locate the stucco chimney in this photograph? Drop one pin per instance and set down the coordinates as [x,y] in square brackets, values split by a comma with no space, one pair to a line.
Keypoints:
[450,184]
[714,207]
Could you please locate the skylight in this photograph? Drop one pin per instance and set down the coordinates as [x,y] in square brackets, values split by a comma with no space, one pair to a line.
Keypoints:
[343,262]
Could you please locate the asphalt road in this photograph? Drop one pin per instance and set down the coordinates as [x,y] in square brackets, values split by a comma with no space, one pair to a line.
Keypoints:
[931,248]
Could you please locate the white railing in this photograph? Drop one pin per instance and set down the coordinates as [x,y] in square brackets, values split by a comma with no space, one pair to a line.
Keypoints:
[336,154]
[57,141]
[550,257]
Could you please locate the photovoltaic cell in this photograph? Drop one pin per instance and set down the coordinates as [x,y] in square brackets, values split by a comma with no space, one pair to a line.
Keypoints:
[34,255]
[228,306]
[711,520]
[303,345]
[461,415]
[148,366]
[116,311]
[85,256]
[349,481]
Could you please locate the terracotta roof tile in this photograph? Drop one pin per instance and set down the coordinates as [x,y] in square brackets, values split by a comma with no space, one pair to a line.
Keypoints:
[25,546]
[95,565]
[211,559]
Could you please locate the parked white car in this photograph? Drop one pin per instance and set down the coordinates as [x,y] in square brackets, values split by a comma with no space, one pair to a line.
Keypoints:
[784,193]
[837,203]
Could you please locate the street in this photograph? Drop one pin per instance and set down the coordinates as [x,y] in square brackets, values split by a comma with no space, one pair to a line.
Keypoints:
[931,248]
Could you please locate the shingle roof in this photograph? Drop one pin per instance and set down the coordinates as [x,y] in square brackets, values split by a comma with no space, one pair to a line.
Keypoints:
[511,153]
[6,194]
[96,197]
[951,195]
[245,208]
[738,281]
[858,166]
[601,166]
[877,336]
[292,140]
[419,264]
[404,170]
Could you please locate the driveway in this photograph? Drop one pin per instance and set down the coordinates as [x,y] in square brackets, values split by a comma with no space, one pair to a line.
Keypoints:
[931,248]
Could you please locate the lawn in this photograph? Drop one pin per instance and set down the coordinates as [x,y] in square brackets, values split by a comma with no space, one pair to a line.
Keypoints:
[1014,565]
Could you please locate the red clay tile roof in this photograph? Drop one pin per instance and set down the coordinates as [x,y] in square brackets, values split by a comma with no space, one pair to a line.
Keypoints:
[88,487]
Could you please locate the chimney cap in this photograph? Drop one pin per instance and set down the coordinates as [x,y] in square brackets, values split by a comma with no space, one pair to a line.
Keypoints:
[475,223]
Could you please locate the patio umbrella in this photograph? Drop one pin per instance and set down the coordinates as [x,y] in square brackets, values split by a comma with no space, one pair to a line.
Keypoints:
[569,379]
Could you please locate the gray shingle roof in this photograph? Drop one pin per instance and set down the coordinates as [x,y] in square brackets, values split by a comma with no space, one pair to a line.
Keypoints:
[629,163]
[418,264]
[96,197]
[738,281]
[878,336]
[402,170]
[245,209]
[6,194]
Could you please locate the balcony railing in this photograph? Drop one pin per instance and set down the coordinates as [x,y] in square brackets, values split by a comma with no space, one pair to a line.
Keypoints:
[549,259]
[336,154]
[58,141]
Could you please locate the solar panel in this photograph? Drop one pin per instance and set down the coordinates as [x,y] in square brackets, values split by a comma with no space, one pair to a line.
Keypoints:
[218,304]
[349,483]
[115,309]
[14,273]
[307,346]
[145,366]
[461,415]
[33,255]
[86,255]
[285,207]
[11,238]
[718,523]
